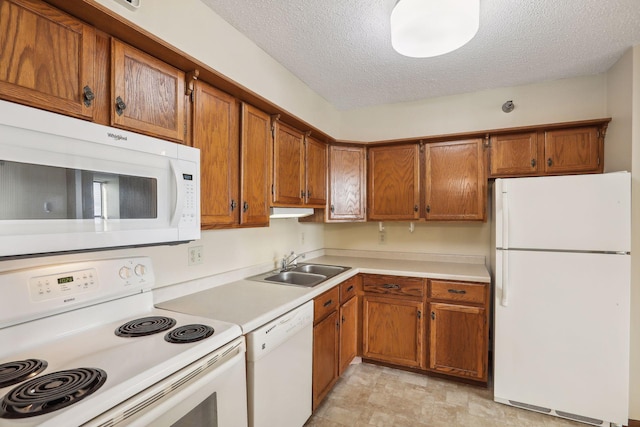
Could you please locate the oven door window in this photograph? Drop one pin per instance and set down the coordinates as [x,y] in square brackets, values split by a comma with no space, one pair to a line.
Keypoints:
[37,192]
[205,414]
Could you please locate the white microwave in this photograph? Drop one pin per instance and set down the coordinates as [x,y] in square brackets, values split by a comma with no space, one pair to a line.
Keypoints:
[71,185]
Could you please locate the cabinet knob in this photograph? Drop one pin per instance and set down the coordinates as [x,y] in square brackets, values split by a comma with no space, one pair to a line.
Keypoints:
[234,205]
[328,303]
[419,314]
[533,163]
[333,209]
[390,286]
[245,206]
[457,291]
[415,208]
[89,96]
[433,315]
[549,162]
[120,106]
[309,193]
[428,209]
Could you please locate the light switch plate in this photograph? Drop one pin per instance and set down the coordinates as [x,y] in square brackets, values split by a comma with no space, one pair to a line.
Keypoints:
[130,4]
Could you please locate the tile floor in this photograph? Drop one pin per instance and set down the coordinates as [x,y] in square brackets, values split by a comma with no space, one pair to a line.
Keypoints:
[370,395]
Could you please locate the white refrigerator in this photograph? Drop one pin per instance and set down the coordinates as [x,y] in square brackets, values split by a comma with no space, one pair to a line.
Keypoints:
[562,284]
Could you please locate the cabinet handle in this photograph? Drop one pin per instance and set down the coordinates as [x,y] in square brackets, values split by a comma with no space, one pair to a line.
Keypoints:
[415,208]
[419,314]
[350,288]
[328,303]
[245,206]
[333,209]
[234,205]
[428,209]
[302,194]
[433,315]
[308,193]
[343,319]
[89,96]
[533,163]
[120,106]
[549,161]
[390,286]
[457,291]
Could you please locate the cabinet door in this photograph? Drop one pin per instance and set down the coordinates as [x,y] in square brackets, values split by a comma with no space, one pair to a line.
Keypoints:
[315,173]
[147,94]
[458,340]
[347,180]
[288,166]
[255,146]
[514,155]
[348,333]
[392,330]
[46,58]
[325,357]
[216,134]
[572,150]
[394,182]
[455,182]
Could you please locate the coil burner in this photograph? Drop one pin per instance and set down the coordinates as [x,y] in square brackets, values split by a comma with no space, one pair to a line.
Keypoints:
[145,326]
[51,392]
[188,334]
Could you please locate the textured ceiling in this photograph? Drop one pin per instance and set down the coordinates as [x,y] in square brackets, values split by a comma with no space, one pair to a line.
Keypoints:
[342,48]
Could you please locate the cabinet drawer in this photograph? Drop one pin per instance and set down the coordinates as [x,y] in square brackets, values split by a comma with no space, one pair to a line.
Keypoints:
[393,285]
[348,289]
[473,293]
[325,304]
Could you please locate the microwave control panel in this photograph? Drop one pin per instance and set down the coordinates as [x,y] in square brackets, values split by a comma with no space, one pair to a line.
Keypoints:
[190,200]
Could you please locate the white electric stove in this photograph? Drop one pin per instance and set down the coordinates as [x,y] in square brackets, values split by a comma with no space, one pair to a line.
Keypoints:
[82,344]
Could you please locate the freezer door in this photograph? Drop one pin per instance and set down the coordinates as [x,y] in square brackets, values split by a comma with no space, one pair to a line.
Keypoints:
[574,212]
[562,341]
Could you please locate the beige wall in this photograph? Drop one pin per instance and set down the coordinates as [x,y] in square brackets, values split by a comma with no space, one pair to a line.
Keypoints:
[549,102]
[617,149]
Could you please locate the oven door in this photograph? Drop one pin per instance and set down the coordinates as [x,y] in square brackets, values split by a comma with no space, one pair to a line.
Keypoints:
[209,392]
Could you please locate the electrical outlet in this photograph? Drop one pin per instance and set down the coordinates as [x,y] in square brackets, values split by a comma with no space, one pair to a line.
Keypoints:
[195,255]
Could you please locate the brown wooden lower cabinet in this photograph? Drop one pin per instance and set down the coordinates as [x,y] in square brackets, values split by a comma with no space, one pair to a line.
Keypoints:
[458,329]
[348,324]
[325,356]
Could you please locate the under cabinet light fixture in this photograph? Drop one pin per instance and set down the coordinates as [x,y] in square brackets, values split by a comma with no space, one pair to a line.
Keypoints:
[427,28]
[290,212]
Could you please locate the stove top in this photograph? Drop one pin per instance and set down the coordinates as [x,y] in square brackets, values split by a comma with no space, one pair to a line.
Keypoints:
[72,366]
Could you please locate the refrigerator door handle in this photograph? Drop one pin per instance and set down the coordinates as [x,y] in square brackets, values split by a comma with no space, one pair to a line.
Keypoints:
[504,300]
[505,216]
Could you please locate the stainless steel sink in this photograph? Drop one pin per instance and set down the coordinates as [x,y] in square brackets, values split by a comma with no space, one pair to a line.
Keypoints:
[325,270]
[306,275]
[297,278]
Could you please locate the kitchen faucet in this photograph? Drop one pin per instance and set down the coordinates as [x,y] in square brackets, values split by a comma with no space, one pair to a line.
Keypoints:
[289,260]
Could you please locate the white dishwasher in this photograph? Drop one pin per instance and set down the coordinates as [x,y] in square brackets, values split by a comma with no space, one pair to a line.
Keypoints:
[279,370]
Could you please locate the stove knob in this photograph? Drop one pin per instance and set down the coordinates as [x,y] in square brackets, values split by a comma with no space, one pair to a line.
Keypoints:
[140,270]
[125,273]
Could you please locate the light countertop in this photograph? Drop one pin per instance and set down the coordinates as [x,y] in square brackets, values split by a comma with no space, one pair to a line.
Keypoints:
[251,304]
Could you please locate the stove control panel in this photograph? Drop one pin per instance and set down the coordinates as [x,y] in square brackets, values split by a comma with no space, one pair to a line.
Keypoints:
[63,285]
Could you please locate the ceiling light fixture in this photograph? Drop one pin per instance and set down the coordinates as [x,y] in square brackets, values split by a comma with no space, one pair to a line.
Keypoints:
[426,28]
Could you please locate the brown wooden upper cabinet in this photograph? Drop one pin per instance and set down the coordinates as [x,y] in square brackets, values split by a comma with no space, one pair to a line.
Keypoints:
[394,182]
[548,152]
[46,58]
[216,133]
[234,154]
[347,183]
[299,168]
[255,149]
[148,95]
[455,181]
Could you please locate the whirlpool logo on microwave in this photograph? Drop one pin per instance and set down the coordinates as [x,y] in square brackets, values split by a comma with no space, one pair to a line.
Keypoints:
[116,137]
